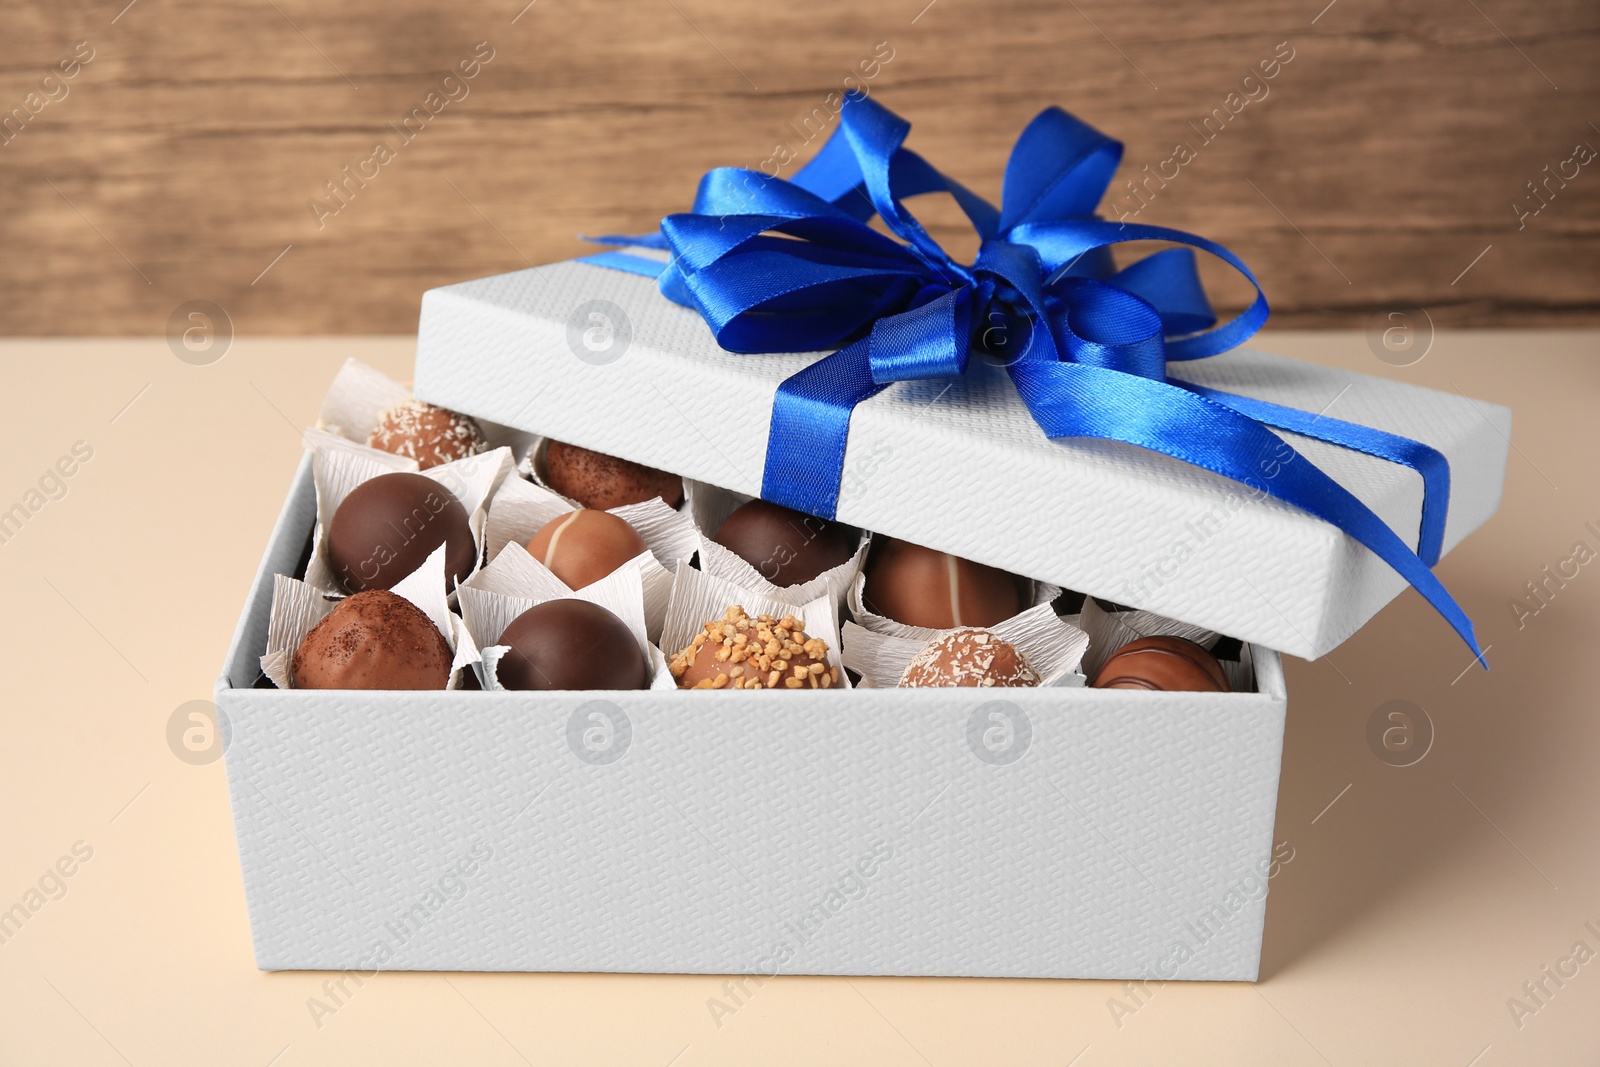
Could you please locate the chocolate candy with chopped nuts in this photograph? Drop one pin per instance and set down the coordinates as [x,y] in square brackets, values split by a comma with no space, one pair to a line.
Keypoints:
[583,546]
[740,652]
[428,434]
[969,657]
[1168,664]
[388,526]
[373,640]
[571,644]
[786,547]
[922,587]
[599,481]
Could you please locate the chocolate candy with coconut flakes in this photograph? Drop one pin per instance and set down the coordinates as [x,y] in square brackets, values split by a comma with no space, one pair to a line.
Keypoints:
[969,658]
[430,435]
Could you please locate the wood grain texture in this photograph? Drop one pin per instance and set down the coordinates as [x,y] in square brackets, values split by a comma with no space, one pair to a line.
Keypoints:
[1385,156]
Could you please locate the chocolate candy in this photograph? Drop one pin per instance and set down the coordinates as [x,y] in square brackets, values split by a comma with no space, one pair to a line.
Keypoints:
[389,525]
[584,546]
[599,481]
[1170,664]
[786,547]
[430,435]
[921,587]
[373,640]
[969,657]
[738,652]
[571,644]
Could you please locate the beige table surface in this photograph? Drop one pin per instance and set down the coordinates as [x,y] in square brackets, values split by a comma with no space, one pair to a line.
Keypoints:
[1419,900]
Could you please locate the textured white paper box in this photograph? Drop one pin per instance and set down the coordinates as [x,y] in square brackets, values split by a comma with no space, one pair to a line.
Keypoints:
[1049,832]
[963,468]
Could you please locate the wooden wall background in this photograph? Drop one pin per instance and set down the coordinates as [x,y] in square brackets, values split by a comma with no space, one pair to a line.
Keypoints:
[179,164]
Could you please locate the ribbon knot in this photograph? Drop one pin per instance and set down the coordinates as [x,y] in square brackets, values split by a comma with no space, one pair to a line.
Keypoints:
[786,266]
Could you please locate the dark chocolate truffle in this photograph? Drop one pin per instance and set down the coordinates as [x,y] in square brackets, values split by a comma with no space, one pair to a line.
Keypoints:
[1169,664]
[786,547]
[738,652]
[389,525]
[571,644]
[428,434]
[969,658]
[921,587]
[583,546]
[373,640]
[599,481]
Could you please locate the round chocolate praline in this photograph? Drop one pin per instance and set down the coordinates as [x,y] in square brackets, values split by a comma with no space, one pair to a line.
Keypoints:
[969,658]
[388,526]
[429,434]
[923,587]
[599,481]
[583,546]
[571,644]
[1168,664]
[786,547]
[373,640]
[764,652]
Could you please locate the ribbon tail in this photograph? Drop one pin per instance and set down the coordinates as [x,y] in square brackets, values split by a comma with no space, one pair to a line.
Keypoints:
[1430,463]
[1170,420]
[809,427]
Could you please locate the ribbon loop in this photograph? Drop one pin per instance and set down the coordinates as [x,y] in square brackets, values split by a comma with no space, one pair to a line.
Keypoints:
[785,266]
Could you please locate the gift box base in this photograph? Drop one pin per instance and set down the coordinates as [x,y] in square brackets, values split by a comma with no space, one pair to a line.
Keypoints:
[1064,833]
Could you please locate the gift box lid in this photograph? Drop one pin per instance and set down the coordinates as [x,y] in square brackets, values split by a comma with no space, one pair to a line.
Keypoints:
[597,357]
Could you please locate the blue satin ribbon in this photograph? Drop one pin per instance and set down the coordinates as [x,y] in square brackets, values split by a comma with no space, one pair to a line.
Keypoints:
[777,265]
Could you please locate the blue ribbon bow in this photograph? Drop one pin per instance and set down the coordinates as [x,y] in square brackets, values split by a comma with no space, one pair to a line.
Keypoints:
[789,266]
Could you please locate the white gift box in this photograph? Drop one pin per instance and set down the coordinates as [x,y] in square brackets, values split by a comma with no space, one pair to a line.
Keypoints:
[1060,832]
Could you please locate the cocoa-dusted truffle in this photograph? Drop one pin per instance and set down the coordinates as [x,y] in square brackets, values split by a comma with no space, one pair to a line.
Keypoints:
[585,545]
[738,652]
[599,481]
[571,644]
[969,658]
[1165,663]
[428,434]
[922,587]
[389,525]
[786,547]
[373,640]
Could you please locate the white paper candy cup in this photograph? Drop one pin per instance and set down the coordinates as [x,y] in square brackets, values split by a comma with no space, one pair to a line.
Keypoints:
[360,394]
[711,505]
[1052,646]
[1110,630]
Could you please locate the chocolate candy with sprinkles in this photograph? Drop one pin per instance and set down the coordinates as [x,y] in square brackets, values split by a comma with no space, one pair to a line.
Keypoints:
[428,434]
[741,652]
[969,658]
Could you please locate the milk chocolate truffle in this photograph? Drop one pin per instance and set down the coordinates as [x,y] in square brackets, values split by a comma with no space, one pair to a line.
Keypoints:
[389,525]
[921,587]
[599,481]
[571,644]
[428,434]
[373,640]
[1169,664]
[738,652]
[785,546]
[584,546]
[969,657]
